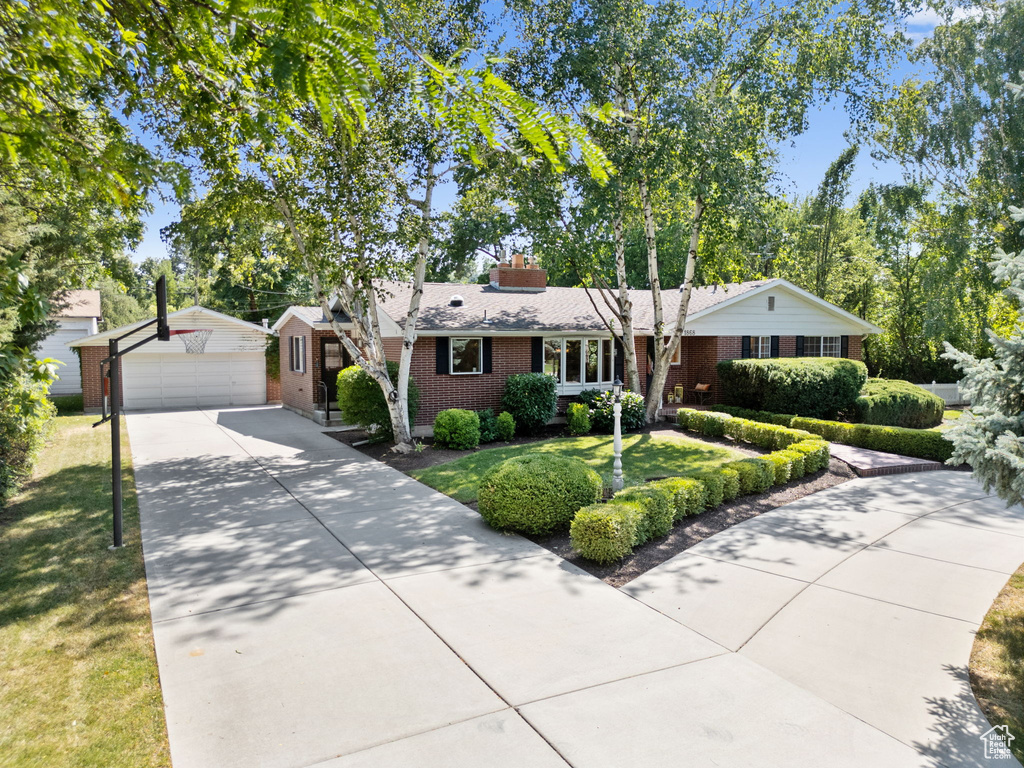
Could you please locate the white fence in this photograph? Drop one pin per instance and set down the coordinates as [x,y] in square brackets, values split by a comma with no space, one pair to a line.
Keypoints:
[948,392]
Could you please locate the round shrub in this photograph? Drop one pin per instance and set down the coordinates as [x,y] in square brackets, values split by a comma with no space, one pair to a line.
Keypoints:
[531,399]
[488,426]
[505,426]
[588,396]
[730,483]
[819,387]
[895,403]
[634,412]
[536,494]
[457,429]
[658,510]
[605,533]
[577,419]
[361,401]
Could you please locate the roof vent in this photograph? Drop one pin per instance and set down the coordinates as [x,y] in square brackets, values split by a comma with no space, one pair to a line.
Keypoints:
[455,301]
[771,303]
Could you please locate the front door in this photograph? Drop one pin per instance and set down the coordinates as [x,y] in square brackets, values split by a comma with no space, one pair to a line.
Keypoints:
[333,357]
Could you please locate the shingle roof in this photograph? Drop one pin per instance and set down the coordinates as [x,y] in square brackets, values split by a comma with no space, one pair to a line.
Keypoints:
[80,304]
[554,309]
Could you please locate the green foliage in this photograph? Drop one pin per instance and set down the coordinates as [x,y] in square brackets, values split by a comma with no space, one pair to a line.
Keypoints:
[25,416]
[795,461]
[273,357]
[783,461]
[589,396]
[811,386]
[991,437]
[577,419]
[898,404]
[605,533]
[505,426]
[714,487]
[531,398]
[921,443]
[730,483]
[67,405]
[746,475]
[536,494]
[457,429]
[816,454]
[488,425]
[688,495]
[361,401]
[633,417]
[658,509]
[770,436]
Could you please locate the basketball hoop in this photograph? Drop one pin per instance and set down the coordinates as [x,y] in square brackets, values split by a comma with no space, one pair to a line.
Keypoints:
[194,339]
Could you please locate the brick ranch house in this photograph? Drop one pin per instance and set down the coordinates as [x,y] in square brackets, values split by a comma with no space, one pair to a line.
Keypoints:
[471,337]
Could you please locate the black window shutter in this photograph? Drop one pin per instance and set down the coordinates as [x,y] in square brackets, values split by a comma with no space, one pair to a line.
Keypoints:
[620,360]
[799,346]
[487,354]
[844,342]
[442,354]
[775,346]
[746,347]
[291,353]
[537,354]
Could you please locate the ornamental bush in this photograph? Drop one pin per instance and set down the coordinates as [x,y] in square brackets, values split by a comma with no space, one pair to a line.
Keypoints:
[730,482]
[783,465]
[577,419]
[505,426]
[796,460]
[819,387]
[588,396]
[921,443]
[488,425]
[746,473]
[658,511]
[688,495]
[605,533]
[457,429]
[896,403]
[714,487]
[361,401]
[531,399]
[25,420]
[634,412]
[536,494]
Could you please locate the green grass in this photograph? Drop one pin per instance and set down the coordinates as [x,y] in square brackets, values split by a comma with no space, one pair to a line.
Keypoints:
[997,675]
[67,405]
[643,457]
[78,674]
[948,420]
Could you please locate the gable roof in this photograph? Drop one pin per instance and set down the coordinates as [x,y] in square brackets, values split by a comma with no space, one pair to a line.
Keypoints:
[555,309]
[124,329]
[82,303]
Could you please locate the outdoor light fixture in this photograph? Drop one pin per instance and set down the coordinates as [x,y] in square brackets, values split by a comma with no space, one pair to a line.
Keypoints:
[617,481]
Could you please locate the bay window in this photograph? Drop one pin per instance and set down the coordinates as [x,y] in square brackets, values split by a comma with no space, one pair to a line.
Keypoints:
[578,362]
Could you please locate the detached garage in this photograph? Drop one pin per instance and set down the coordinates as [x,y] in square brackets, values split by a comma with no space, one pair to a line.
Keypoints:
[162,374]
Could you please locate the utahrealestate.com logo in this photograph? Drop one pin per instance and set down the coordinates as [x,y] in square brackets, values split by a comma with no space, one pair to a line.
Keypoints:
[997,743]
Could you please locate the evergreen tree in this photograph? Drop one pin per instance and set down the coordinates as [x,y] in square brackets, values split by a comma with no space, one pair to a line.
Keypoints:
[991,438]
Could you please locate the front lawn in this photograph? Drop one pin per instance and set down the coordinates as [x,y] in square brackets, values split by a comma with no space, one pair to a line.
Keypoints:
[659,454]
[78,675]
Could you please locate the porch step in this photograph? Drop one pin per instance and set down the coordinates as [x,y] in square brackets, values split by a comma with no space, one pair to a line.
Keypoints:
[875,463]
[320,417]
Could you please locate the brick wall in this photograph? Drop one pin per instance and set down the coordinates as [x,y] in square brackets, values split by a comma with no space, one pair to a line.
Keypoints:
[92,383]
[856,348]
[296,388]
[273,390]
[510,277]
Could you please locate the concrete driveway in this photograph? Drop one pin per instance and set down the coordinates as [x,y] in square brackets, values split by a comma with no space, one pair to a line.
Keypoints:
[314,607]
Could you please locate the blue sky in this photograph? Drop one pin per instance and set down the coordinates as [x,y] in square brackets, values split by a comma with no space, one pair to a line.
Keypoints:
[802,161]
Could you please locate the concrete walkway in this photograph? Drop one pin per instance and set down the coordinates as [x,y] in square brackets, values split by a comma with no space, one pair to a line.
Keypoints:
[315,607]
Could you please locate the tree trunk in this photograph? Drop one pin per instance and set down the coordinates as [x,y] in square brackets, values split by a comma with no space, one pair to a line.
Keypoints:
[625,304]
[665,351]
[653,400]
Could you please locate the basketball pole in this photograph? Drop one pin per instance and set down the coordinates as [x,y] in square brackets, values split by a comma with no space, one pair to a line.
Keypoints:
[115,444]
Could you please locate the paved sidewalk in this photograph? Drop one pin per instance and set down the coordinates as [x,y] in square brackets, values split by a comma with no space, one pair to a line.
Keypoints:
[314,607]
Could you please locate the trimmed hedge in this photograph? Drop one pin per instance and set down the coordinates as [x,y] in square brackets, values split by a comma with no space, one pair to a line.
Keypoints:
[811,386]
[689,496]
[536,494]
[605,533]
[531,398]
[457,429]
[577,419]
[505,426]
[895,403]
[657,507]
[796,460]
[920,443]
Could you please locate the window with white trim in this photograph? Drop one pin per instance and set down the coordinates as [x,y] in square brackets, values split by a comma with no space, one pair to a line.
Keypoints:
[760,346]
[298,356]
[579,362]
[823,346]
[467,355]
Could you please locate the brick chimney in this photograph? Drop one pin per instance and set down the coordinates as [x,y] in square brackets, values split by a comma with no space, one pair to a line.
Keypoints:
[528,277]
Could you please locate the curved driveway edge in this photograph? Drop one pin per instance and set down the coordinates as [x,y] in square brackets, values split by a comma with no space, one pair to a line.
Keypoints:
[314,607]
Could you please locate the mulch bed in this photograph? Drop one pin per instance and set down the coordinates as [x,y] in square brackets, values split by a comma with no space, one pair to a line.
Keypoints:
[684,534]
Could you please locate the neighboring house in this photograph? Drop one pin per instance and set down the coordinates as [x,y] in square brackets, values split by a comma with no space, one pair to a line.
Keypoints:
[79,317]
[160,374]
[471,337]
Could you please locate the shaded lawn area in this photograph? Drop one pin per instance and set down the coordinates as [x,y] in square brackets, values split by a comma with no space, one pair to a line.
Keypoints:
[78,675]
[997,674]
[948,420]
[644,456]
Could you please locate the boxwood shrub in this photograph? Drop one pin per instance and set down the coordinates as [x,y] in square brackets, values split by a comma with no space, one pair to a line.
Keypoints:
[714,487]
[819,387]
[531,399]
[577,419]
[605,533]
[921,443]
[457,429]
[658,511]
[633,417]
[783,465]
[895,403]
[361,401]
[505,426]
[536,494]
[796,461]
[688,495]
[488,425]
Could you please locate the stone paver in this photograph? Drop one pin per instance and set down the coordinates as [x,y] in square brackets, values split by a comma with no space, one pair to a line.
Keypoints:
[867,463]
[314,607]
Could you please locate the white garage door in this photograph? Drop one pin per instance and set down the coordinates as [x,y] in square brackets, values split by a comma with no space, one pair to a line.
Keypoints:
[180,380]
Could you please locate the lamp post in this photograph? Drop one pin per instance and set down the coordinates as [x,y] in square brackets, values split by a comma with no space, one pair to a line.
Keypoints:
[617,445]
